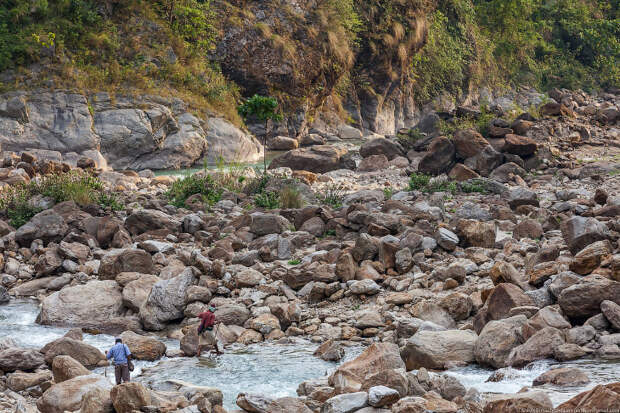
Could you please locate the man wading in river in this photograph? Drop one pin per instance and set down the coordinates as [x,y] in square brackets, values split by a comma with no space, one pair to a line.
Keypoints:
[122,360]
[206,336]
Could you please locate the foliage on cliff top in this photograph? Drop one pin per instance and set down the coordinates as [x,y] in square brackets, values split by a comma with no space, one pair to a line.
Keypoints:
[564,43]
[136,46]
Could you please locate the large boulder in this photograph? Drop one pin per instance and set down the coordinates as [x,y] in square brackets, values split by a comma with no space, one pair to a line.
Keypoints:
[566,376]
[265,224]
[505,297]
[251,402]
[540,346]
[317,159]
[439,158]
[66,367]
[519,402]
[233,314]
[88,305]
[85,354]
[97,400]
[497,339]
[56,121]
[468,143]
[144,220]
[381,146]
[349,377]
[125,260]
[439,349]
[166,302]
[137,291]
[604,397]
[129,397]
[474,233]
[583,300]
[519,145]
[19,381]
[143,347]
[224,140]
[14,358]
[48,226]
[579,232]
[68,394]
[345,403]
[485,161]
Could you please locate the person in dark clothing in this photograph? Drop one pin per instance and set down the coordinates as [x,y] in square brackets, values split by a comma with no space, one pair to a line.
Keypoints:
[121,355]
[206,337]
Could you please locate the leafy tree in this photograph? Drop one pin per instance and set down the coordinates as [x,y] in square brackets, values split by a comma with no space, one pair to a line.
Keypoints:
[264,108]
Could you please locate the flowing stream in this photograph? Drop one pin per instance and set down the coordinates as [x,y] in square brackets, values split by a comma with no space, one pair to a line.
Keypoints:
[276,369]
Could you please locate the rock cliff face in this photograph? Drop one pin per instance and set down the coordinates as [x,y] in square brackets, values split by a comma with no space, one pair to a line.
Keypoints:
[131,133]
[300,51]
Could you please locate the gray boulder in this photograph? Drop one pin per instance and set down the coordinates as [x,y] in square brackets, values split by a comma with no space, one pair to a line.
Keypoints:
[48,226]
[439,349]
[87,305]
[166,302]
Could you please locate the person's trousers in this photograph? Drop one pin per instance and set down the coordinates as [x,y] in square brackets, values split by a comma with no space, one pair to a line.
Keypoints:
[121,371]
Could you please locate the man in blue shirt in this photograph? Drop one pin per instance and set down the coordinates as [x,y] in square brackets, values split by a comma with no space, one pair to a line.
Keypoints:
[121,355]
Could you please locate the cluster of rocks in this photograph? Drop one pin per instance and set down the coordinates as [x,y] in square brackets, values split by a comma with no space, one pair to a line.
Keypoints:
[528,270]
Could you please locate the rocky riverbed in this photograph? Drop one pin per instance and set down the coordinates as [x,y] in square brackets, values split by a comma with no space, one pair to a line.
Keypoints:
[435,270]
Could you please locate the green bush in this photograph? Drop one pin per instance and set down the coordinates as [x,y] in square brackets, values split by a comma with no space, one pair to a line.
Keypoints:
[425,183]
[267,200]
[77,186]
[199,183]
[332,195]
[290,197]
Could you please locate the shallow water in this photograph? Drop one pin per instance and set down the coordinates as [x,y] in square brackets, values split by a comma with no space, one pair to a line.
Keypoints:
[254,165]
[599,371]
[277,370]
[270,369]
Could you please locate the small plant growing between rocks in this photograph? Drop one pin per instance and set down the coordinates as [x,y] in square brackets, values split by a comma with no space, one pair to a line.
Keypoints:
[388,192]
[267,200]
[294,262]
[469,187]
[203,185]
[407,140]
[291,198]
[333,195]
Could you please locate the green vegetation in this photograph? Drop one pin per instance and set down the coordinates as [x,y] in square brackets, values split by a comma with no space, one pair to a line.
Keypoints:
[388,191]
[480,123]
[267,200]
[19,201]
[427,184]
[263,108]
[152,46]
[407,140]
[294,262]
[545,44]
[163,46]
[291,198]
[197,184]
[332,195]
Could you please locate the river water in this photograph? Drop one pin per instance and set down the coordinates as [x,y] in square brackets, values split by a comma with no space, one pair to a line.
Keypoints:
[276,369]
